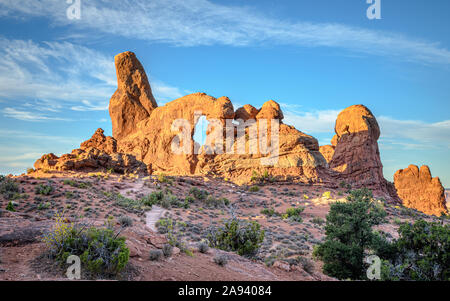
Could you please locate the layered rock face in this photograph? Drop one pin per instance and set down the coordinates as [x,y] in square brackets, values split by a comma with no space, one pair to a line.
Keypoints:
[419,190]
[97,153]
[133,100]
[354,153]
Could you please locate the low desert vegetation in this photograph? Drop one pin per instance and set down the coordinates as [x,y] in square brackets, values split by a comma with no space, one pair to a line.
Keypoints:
[294,214]
[101,251]
[240,236]
[44,189]
[254,188]
[9,188]
[420,252]
[221,259]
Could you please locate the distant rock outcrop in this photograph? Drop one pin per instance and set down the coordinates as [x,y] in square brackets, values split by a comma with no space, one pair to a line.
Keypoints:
[97,153]
[418,190]
[133,100]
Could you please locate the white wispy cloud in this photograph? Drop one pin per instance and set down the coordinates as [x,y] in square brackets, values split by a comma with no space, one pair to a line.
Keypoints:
[50,76]
[201,22]
[395,134]
[425,135]
[88,106]
[29,115]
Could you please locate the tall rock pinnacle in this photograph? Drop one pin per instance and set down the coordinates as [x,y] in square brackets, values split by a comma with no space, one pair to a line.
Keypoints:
[133,100]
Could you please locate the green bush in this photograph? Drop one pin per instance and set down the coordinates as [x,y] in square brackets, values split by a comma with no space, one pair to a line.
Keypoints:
[349,235]
[8,188]
[125,221]
[10,207]
[212,202]
[164,199]
[243,237]
[254,188]
[422,252]
[294,214]
[44,189]
[100,250]
[198,194]
[269,212]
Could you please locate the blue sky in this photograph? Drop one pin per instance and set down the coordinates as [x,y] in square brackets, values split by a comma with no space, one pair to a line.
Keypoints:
[313,57]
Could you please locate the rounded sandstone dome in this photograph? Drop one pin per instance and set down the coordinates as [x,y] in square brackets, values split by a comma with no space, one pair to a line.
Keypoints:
[270,110]
[355,119]
[246,112]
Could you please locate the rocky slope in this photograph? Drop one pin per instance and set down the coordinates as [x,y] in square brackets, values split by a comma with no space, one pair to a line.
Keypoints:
[93,199]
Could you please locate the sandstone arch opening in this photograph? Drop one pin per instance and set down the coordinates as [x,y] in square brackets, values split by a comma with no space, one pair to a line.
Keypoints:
[199,135]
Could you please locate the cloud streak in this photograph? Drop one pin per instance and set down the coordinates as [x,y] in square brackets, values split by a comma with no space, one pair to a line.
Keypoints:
[201,22]
[50,76]
[29,116]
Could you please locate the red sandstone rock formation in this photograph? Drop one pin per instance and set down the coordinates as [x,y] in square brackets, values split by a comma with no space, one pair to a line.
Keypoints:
[133,100]
[354,153]
[150,138]
[418,190]
[100,142]
[97,153]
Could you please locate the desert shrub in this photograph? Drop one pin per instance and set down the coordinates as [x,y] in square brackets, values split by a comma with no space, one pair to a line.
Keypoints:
[167,250]
[254,188]
[362,194]
[203,247]
[174,232]
[221,259]
[198,194]
[164,199]
[213,202]
[264,177]
[10,207]
[125,221]
[318,221]
[162,178]
[130,205]
[327,195]
[422,252]
[155,255]
[44,189]
[9,188]
[293,214]
[269,212]
[306,264]
[100,250]
[349,235]
[243,237]
[44,206]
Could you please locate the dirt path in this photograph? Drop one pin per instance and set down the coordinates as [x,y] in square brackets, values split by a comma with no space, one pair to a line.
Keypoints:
[152,216]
